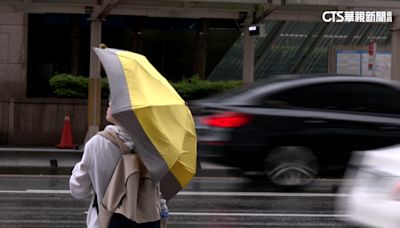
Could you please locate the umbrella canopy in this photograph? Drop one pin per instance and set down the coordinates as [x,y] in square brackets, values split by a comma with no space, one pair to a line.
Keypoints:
[154,115]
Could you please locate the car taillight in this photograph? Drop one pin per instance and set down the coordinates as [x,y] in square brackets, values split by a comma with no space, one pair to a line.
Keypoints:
[227,120]
[396,191]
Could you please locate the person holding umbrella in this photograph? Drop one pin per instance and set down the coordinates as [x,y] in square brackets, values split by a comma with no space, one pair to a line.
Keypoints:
[144,106]
[154,115]
[93,173]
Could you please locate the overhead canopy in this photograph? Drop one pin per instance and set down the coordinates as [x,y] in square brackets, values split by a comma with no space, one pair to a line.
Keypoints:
[246,12]
[230,9]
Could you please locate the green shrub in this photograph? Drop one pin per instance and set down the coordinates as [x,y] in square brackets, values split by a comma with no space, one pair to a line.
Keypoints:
[195,88]
[70,86]
[105,90]
[67,85]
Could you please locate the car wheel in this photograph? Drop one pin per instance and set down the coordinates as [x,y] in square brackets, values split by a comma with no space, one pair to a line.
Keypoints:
[291,166]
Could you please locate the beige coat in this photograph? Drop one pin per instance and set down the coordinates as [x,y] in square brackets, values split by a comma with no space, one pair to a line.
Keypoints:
[94,171]
[142,203]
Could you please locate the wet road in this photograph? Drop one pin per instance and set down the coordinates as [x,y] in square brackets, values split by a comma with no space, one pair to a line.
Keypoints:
[214,202]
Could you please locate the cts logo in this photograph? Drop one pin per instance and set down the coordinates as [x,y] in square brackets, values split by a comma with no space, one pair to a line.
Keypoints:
[333,16]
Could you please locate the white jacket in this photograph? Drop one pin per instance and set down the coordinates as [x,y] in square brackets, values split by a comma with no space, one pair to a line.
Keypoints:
[95,169]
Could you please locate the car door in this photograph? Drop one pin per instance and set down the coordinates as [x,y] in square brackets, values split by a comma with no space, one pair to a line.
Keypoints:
[335,118]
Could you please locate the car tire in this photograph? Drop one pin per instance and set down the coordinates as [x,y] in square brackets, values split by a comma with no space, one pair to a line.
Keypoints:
[291,166]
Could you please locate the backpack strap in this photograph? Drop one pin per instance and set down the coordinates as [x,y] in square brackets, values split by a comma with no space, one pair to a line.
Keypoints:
[95,204]
[114,138]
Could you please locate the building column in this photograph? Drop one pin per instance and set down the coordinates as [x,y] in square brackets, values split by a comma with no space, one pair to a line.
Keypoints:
[137,39]
[13,54]
[248,57]
[395,43]
[200,49]
[75,45]
[94,95]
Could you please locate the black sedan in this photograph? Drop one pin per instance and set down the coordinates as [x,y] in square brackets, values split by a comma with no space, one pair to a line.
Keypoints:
[293,128]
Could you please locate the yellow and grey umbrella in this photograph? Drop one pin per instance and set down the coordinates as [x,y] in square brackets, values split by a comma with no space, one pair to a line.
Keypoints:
[155,116]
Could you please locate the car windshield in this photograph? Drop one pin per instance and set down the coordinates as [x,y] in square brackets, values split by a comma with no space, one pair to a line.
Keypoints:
[227,94]
[233,92]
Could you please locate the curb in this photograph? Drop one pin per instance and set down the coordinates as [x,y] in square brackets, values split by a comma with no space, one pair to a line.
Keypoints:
[53,161]
[34,170]
[218,173]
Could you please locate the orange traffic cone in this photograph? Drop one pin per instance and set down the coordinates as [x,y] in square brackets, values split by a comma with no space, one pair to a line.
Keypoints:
[66,136]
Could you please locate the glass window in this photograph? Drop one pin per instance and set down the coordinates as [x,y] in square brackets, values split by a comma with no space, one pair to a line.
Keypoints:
[343,96]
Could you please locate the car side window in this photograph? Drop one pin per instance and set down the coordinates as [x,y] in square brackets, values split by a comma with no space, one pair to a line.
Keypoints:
[341,96]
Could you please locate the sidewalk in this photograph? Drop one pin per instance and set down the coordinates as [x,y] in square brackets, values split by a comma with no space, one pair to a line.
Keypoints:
[51,160]
[216,170]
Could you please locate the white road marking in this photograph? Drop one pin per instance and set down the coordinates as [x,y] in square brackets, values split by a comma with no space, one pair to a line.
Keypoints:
[256,214]
[37,191]
[284,194]
[48,191]
[194,193]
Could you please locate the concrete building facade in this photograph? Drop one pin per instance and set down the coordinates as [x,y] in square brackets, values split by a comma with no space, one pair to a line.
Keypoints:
[13,54]
[14,24]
